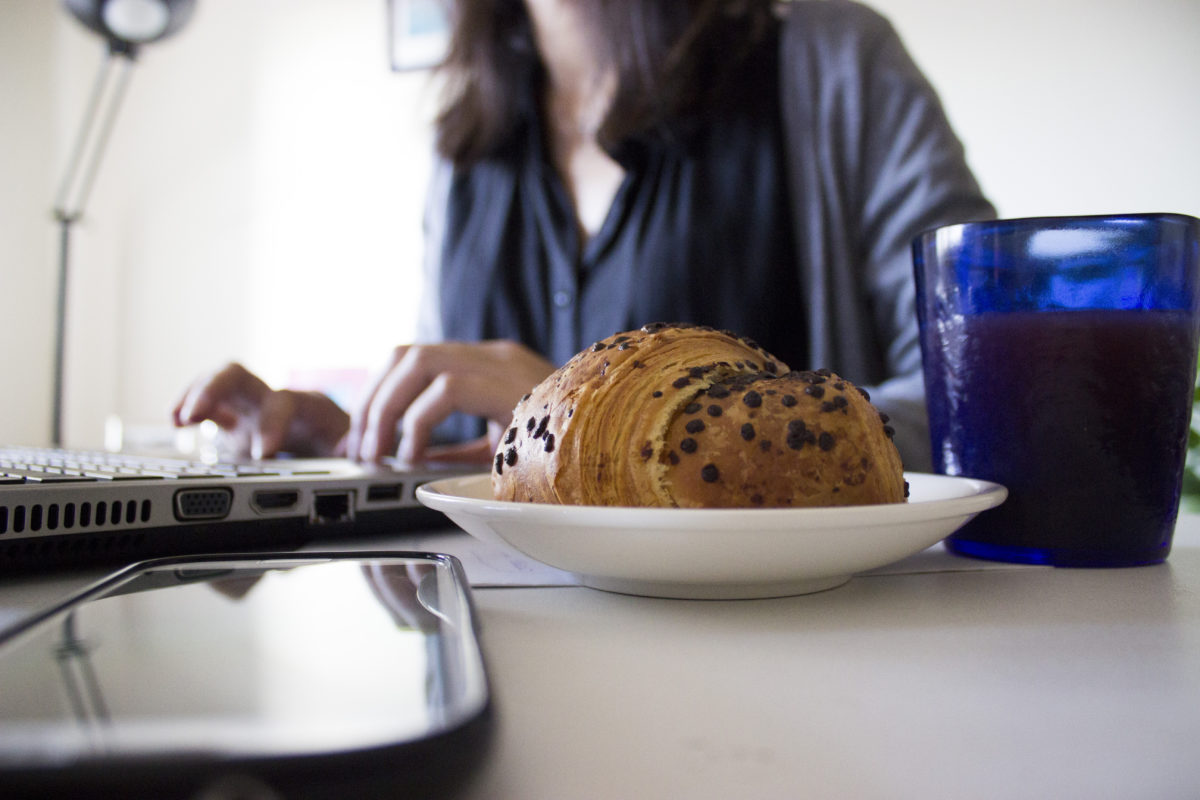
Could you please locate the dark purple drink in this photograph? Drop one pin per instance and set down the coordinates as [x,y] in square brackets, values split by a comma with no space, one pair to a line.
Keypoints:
[1083,415]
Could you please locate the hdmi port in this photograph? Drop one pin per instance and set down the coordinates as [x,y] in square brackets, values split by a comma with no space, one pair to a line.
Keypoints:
[275,501]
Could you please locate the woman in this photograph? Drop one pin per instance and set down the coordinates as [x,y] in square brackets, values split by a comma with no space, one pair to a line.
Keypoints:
[736,163]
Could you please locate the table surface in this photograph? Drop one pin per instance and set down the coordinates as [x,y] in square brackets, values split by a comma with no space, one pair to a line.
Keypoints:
[936,677]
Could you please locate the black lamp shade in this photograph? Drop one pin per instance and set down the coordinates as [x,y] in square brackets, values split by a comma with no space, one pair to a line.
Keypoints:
[129,23]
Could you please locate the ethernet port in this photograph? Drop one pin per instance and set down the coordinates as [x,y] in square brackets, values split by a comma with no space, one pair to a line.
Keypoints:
[330,508]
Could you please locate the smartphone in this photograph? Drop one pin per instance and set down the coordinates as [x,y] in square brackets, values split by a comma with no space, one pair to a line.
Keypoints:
[314,675]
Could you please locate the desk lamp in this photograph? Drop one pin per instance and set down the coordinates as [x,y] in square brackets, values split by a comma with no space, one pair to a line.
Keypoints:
[126,25]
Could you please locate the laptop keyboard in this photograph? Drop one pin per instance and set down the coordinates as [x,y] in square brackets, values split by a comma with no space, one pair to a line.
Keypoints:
[54,465]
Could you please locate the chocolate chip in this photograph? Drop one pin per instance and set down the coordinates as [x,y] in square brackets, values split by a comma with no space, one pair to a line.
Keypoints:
[541,428]
[681,382]
[748,432]
[647,451]
[549,442]
[825,441]
[694,426]
[719,392]
[530,424]
[771,367]
[840,386]
[512,434]
[499,463]
[714,410]
[797,434]
[889,431]
[657,393]
[788,400]
[838,403]
[510,456]
[688,445]
[866,395]
[752,399]
[815,391]
[597,347]
[884,418]
[709,473]
[673,457]
[692,408]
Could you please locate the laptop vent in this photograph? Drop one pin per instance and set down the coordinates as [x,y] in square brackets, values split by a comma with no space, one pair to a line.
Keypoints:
[70,549]
[72,516]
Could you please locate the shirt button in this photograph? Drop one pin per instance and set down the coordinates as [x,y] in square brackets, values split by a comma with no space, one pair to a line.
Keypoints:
[563,299]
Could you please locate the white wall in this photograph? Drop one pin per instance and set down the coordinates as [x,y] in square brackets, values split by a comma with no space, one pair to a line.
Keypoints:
[261,198]
[1068,106]
[26,232]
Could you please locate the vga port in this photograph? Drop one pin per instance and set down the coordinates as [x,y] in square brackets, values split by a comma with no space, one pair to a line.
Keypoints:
[197,504]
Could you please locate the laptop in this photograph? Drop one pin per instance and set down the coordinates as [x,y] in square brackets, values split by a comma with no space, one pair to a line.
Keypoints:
[61,507]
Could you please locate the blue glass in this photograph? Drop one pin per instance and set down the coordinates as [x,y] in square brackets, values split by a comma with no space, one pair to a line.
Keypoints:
[1060,358]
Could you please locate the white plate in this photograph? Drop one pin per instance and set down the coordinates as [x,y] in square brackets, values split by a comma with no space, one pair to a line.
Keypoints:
[716,553]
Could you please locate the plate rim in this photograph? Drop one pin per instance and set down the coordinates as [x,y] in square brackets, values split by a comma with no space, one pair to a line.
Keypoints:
[984,495]
[601,561]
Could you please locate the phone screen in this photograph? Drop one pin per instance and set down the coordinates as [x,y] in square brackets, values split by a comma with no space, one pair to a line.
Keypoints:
[244,662]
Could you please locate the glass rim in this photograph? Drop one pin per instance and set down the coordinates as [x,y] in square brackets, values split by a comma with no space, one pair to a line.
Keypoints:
[1059,220]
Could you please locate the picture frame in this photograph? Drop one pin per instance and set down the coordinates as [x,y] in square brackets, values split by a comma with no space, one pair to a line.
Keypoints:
[418,33]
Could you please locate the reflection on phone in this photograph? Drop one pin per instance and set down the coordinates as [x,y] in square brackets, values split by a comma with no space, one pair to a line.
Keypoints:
[246,661]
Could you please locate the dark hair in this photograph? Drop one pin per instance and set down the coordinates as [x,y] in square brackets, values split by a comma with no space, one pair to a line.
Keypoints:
[672,59]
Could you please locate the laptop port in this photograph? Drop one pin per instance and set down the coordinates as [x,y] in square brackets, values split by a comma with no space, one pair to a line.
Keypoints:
[196,504]
[332,507]
[381,492]
[267,500]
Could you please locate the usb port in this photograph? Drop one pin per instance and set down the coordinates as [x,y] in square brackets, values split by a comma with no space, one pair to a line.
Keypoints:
[380,492]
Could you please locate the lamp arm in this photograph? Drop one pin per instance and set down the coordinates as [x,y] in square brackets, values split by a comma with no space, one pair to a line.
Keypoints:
[91,140]
[83,164]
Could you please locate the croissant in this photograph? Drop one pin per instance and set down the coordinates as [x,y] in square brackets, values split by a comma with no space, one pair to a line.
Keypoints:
[691,417]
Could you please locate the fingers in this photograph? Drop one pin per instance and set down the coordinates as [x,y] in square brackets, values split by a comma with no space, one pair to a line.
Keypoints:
[265,421]
[419,369]
[449,392]
[225,397]
[353,442]
[275,418]
[476,451]
[427,383]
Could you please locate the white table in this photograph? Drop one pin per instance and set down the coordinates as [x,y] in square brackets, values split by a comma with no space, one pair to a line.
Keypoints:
[937,677]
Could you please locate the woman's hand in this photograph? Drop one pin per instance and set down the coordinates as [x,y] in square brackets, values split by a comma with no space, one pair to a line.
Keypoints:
[264,421]
[423,384]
